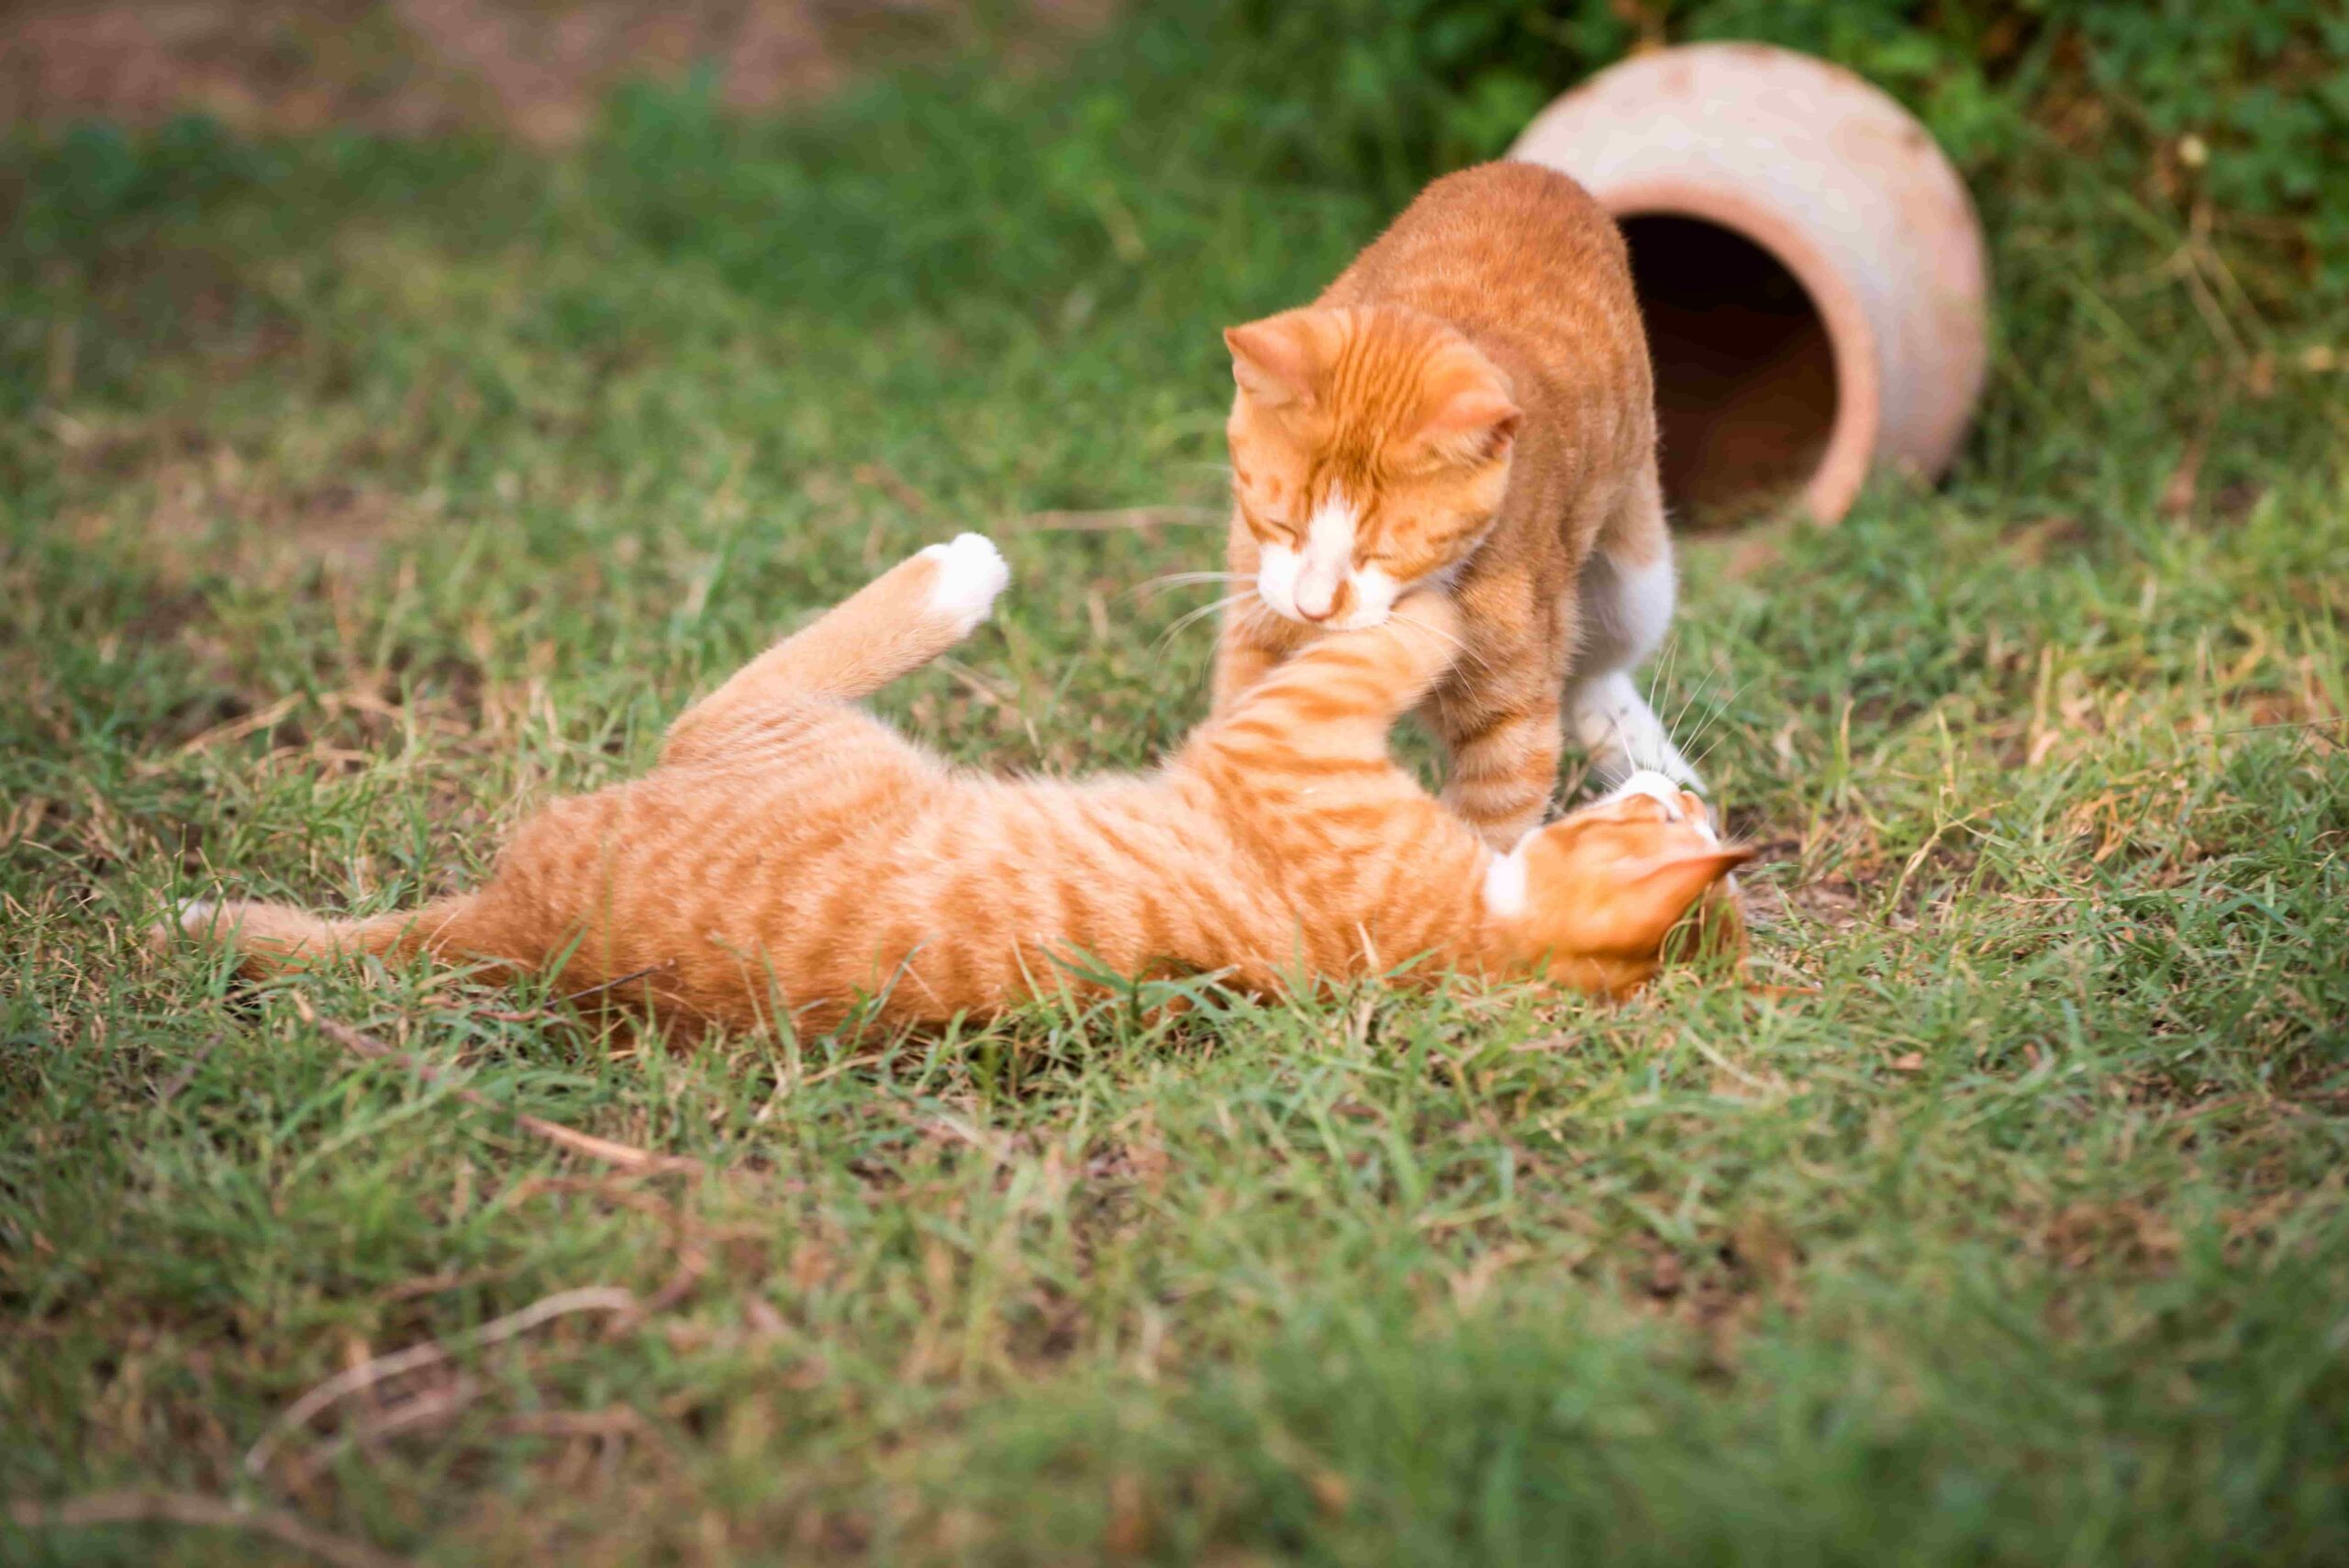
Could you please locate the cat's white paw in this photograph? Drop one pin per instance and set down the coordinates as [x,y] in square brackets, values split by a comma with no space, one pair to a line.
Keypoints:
[971,572]
[1651,782]
[1666,789]
[1621,733]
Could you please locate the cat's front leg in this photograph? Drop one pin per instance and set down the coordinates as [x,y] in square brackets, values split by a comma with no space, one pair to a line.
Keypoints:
[1504,766]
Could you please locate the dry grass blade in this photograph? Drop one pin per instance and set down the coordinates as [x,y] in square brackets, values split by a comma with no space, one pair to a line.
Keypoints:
[134,1507]
[685,1236]
[432,1352]
[612,1421]
[624,1156]
[539,1014]
[435,1408]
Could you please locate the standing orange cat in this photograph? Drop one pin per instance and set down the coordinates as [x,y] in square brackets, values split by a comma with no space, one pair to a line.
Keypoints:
[1470,405]
[790,854]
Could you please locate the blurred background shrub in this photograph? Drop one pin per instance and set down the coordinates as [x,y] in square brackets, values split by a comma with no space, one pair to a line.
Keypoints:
[2159,173]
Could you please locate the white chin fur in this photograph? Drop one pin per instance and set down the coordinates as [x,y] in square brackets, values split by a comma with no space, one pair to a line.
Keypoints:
[1291,579]
[1370,601]
[971,572]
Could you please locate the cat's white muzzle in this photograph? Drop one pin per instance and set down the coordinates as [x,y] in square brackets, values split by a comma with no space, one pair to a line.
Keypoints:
[1303,583]
[1295,594]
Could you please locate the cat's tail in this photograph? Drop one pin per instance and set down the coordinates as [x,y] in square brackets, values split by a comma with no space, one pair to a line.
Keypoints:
[271,939]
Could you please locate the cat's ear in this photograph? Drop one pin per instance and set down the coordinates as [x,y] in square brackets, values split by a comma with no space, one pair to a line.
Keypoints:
[1276,361]
[1474,424]
[1652,895]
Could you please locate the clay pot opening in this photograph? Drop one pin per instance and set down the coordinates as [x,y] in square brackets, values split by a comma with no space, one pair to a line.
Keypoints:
[1744,371]
[1765,364]
[1808,264]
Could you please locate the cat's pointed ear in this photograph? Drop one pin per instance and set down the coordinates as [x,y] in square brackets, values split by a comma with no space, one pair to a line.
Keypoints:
[1475,422]
[1276,360]
[1654,894]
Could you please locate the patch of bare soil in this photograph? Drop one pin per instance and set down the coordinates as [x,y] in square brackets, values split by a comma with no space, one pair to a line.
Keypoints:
[533,68]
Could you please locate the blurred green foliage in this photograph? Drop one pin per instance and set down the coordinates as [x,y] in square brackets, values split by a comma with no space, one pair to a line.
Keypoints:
[1392,91]
[2160,183]
[2244,105]
[1399,87]
[2149,175]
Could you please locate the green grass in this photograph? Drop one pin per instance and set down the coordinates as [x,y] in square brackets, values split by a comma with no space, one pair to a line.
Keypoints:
[355,498]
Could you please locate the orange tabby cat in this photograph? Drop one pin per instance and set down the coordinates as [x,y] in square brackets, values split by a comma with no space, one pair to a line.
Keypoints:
[1468,404]
[789,853]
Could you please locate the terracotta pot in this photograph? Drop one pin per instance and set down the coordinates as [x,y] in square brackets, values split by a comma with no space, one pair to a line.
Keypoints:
[1808,262]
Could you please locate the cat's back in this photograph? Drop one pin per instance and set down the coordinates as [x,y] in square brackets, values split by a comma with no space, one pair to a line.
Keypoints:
[1497,242]
[1528,264]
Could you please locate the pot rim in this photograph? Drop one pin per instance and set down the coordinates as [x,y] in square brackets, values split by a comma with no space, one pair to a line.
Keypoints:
[1859,409]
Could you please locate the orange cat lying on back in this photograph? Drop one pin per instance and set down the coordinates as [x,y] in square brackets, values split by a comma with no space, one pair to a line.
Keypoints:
[789,854]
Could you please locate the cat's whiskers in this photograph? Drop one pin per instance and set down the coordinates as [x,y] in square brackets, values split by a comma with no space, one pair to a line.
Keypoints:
[1716,740]
[1660,672]
[1174,580]
[1191,618]
[1460,646]
[1708,721]
[1689,700]
[1464,651]
[1715,710]
[1618,740]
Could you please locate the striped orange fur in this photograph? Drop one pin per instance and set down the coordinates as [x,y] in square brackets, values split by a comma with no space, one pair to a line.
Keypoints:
[789,854]
[1468,404]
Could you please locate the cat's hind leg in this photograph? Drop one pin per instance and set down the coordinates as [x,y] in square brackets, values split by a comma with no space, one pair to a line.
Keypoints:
[1624,607]
[891,627]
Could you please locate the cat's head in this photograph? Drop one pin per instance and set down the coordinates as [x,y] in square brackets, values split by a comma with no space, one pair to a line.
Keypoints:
[1370,449]
[1590,899]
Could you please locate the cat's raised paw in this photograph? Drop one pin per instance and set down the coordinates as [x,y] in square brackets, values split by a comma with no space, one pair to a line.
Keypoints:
[1680,803]
[971,572]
